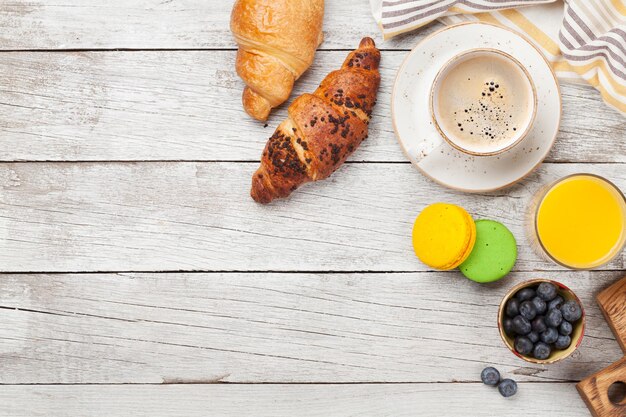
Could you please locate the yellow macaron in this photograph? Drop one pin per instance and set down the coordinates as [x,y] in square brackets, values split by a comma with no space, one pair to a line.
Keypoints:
[443,236]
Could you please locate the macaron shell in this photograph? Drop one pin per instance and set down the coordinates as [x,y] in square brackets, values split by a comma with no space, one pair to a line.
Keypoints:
[443,236]
[494,253]
[470,241]
[470,244]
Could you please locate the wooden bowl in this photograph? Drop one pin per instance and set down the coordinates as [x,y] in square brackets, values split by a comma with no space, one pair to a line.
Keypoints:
[556,355]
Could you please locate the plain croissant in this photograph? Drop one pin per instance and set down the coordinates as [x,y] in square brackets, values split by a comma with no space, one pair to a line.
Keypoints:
[277,42]
[323,128]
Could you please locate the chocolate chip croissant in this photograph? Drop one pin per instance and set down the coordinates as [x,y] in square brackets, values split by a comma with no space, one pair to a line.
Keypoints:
[322,129]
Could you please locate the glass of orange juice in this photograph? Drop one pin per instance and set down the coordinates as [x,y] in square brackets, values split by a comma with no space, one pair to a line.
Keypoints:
[580,221]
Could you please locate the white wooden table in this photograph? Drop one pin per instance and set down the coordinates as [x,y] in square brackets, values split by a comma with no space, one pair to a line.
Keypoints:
[139,278]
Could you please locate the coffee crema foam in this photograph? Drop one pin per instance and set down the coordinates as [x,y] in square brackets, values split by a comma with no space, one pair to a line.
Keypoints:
[484,103]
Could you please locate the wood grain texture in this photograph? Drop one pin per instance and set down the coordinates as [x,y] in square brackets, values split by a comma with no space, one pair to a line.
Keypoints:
[268,327]
[594,390]
[184,332]
[186,105]
[612,303]
[149,24]
[403,400]
[199,216]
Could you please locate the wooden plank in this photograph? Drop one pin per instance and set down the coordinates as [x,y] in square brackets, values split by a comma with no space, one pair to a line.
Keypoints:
[199,216]
[400,400]
[166,105]
[612,301]
[269,327]
[147,24]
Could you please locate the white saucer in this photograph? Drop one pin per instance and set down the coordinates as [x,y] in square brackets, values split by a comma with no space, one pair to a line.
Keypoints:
[418,136]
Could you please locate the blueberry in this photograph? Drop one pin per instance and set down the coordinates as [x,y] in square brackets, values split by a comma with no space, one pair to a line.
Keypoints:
[525,294]
[547,291]
[563,342]
[521,325]
[523,345]
[490,376]
[549,336]
[512,308]
[507,387]
[539,324]
[507,324]
[556,303]
[554,318]
[542,351]
[533,336]
[540,305]
[565,328]
[571,311]
[527,309]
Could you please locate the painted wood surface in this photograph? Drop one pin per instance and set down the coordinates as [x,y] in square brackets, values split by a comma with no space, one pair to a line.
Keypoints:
[186,105]
[269,327]
[390,400]
[199,216]
[140,159]
[158,24]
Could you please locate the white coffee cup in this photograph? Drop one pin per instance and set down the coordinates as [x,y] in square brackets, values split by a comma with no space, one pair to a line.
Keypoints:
[483,102]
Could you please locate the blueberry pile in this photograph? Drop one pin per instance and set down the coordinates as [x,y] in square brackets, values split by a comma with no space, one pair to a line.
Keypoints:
[540,320]
[491,376]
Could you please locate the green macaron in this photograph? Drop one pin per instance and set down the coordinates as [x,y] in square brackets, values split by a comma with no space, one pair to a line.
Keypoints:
[494,253]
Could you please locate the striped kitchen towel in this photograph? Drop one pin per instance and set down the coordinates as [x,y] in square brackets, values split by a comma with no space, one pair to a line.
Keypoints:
[588,44]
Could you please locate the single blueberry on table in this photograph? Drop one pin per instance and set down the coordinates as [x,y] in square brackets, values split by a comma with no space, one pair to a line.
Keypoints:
[490,376]
[507,324]
[549,336]
[556,303]
[547,291]
[512,308]
[566,328]
[525,294]
[539,324]
[554,318]
[523,345]
[507,387]
[542,351]
[521,325]
[571,311]
[540,305]
[563,342]
[533,336]
[527,310]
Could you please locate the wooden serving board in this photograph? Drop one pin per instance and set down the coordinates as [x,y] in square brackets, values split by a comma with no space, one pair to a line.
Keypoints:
[613,304]
[594,389]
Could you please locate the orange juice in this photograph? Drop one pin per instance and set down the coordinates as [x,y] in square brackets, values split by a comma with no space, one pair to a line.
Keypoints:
[581,221]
